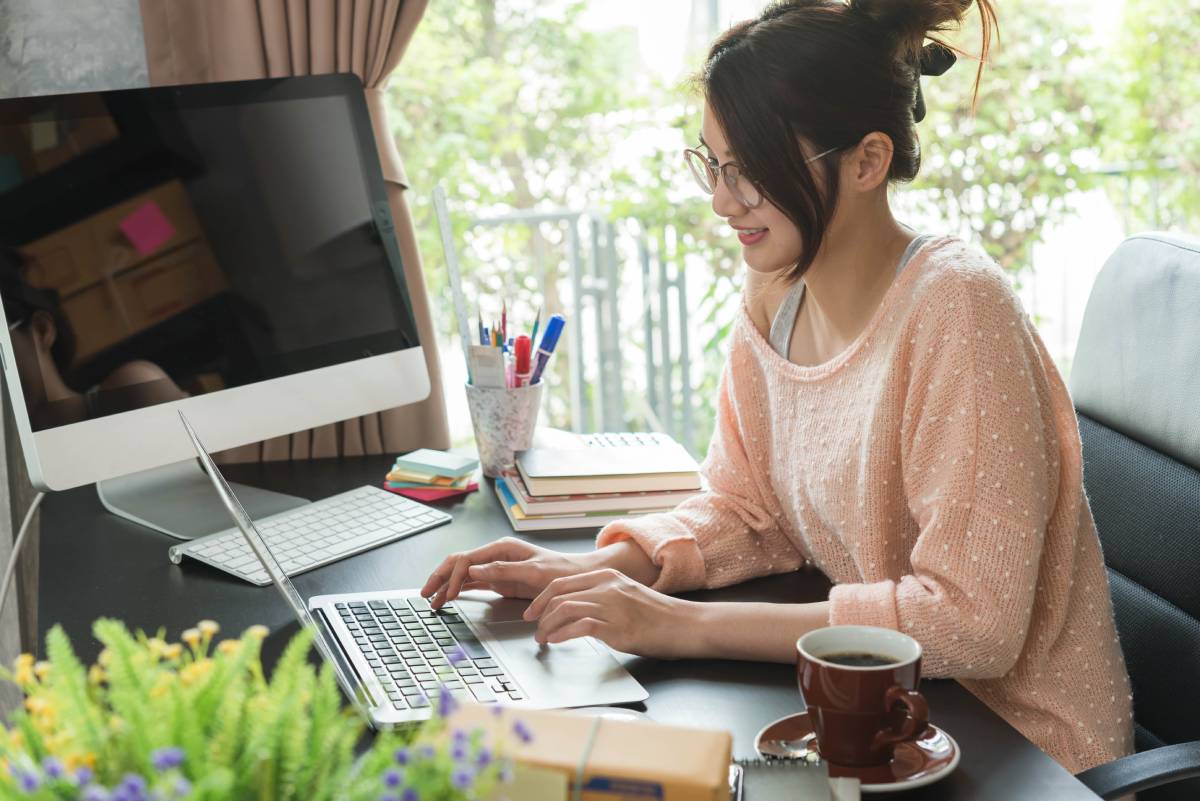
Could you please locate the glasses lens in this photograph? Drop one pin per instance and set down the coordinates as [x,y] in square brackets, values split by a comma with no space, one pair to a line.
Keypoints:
[701,170]
[742,187]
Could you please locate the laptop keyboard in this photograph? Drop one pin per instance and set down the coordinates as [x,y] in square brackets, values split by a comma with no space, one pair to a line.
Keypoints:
[408,646]
[315,534]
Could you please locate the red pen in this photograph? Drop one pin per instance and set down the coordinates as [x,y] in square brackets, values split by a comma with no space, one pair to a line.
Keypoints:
[523,350]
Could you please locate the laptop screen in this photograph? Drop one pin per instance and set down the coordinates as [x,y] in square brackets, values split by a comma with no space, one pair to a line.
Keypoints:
[358,693]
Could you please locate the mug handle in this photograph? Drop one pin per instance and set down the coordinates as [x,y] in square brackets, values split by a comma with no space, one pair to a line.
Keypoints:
[913,725]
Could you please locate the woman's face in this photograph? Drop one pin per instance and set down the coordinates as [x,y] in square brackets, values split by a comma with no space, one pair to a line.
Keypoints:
[770,242]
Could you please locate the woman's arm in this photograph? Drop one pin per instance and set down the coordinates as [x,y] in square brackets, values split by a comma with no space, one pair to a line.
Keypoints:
[731,532]
[632,618]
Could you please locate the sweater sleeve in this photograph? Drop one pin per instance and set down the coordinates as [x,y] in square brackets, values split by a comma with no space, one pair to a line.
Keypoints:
[980,461]
[731,532]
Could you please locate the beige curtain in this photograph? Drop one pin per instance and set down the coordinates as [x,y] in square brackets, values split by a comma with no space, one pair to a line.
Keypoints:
[200,41]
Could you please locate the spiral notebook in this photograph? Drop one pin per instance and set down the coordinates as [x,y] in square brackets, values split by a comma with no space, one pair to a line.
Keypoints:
[787,780]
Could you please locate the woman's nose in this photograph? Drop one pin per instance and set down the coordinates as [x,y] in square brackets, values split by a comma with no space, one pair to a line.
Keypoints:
[724,203]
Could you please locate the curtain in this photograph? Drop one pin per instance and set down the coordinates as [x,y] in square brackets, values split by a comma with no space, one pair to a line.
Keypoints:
[201,41]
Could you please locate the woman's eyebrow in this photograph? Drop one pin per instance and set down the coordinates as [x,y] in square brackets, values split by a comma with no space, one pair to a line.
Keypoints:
[707,145]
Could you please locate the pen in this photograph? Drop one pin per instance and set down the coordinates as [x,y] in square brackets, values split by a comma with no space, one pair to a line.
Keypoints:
[549,340]
[536,321]
[523,350]
[504,321]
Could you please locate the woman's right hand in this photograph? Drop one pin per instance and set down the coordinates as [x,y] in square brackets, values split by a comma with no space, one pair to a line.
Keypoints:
[511,567]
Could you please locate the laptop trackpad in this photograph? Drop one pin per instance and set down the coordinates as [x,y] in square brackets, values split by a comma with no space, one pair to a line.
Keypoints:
[573,666]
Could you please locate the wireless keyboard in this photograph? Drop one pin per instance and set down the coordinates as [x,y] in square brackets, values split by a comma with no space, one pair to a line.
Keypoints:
[316,534]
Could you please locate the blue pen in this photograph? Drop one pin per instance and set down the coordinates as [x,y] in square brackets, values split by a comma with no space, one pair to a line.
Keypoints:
[545,350]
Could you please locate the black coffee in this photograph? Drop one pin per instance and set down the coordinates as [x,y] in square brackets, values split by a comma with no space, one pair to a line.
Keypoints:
[859,659]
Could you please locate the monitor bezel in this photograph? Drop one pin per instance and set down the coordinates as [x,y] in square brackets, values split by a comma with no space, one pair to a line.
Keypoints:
[115,445]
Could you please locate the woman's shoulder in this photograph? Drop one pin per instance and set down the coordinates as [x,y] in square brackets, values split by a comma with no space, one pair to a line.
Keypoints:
[959,280]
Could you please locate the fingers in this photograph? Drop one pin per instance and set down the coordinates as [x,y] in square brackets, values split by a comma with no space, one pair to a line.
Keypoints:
[561,586]
[450,590]
[506,548]
[564,613]
[584,627]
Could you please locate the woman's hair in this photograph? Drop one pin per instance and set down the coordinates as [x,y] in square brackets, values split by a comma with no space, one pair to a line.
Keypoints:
[826,72]
[21,300]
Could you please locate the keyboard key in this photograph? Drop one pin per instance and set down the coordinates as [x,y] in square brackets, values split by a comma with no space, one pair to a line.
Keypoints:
[473,679]
[419,604]
[484,662]
[491,671]
[482,694]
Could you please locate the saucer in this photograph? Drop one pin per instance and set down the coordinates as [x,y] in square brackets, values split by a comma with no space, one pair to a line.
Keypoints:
[930,757]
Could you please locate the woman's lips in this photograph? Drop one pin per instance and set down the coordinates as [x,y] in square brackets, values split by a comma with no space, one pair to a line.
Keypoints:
[752,236]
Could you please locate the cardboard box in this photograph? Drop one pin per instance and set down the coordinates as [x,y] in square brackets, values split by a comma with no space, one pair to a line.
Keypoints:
[75,257]
[629,760]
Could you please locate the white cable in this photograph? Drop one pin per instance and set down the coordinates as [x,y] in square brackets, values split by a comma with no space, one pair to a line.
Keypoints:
[16,551]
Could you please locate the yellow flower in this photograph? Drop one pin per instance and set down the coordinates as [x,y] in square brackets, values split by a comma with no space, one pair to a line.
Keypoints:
[23,676]
[156,647]
[41,670]
[173,651]
[208,627]
[191,637]
[229,647]
[96,675]
[258,631]
[195,671]
[24,660]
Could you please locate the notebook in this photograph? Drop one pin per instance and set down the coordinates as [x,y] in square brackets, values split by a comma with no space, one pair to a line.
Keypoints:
[436,463]
[605,463]
[787,780]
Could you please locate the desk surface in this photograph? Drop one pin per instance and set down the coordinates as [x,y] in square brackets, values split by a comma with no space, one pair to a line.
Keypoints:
[94,564]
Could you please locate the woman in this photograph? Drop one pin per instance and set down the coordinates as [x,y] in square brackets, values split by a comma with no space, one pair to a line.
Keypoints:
[887,413]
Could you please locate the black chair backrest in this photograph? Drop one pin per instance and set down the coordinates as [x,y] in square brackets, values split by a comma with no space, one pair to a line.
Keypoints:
[1136,385]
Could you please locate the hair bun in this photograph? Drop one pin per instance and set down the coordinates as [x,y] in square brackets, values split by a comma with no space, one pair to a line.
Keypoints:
[911,22]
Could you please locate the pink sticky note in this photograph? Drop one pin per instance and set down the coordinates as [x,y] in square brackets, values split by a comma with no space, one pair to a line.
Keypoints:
[148,228]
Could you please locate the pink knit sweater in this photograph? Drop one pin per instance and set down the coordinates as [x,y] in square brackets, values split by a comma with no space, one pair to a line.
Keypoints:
[932,471]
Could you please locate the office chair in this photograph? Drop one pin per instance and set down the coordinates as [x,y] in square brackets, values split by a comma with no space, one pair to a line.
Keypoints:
[1136,386]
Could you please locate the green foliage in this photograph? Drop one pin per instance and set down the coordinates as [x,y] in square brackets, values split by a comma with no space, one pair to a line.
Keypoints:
[185,721]
[511,105]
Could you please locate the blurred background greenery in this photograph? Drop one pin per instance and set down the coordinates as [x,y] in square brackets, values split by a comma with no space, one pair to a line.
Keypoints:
[1085,131]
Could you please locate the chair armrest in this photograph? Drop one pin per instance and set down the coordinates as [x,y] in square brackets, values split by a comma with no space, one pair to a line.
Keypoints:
[1137,772]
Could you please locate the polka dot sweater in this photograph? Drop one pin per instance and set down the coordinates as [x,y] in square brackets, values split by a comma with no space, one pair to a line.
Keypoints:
[932,471]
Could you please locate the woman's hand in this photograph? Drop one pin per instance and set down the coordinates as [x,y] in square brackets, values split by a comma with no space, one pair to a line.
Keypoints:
[511,567]
[610,606]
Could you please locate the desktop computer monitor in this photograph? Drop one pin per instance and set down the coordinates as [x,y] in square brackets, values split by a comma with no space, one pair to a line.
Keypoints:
[222,249]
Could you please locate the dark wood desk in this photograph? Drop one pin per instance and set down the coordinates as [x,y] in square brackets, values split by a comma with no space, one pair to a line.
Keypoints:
[95,564]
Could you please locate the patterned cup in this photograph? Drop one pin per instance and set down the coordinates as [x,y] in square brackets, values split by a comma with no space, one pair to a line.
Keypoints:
[504,420]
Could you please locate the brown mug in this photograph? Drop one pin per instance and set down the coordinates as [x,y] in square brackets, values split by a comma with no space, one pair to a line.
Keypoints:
[860,686]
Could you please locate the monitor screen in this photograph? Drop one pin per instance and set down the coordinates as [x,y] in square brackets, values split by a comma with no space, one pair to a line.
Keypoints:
[162,243]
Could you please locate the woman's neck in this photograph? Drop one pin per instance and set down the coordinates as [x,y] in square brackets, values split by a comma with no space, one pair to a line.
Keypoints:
[852,272]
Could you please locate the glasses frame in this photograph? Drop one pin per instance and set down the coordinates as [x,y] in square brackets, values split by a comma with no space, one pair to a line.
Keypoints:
[721,171]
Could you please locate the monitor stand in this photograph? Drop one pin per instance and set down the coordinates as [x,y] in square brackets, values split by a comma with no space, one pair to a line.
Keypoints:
[179,500]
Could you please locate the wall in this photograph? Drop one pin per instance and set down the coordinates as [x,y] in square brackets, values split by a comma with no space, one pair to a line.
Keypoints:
[53,46]
[49,47]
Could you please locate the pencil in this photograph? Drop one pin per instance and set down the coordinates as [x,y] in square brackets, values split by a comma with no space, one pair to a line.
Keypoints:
[536,321]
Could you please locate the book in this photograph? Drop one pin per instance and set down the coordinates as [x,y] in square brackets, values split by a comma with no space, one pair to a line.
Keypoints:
[427,493]
[612,502]
[523,522]
[436,463]
[610,463]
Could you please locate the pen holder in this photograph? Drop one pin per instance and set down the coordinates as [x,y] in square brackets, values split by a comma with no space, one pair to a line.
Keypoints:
[504,420]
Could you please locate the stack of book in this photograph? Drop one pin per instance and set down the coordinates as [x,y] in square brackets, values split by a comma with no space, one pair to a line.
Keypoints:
[605,477]
[429,475]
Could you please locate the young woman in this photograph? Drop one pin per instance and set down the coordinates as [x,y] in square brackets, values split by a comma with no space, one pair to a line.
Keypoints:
[887,415]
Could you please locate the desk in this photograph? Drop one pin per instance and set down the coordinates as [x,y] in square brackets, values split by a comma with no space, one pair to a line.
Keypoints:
[94,564]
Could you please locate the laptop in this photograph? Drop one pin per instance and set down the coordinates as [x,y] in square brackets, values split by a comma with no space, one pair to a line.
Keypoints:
[390,652]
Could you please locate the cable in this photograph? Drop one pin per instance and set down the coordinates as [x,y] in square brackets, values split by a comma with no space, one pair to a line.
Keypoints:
[16,551]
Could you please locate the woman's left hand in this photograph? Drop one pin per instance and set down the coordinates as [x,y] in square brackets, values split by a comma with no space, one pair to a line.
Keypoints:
[608,605]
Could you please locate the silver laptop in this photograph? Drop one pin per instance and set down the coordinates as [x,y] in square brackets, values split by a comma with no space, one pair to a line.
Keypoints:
[391,652]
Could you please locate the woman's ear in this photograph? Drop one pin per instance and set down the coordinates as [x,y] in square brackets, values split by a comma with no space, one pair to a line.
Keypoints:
[44,331]
[870,161]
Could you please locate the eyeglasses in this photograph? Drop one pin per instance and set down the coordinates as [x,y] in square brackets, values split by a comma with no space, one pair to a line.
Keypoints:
[706,171]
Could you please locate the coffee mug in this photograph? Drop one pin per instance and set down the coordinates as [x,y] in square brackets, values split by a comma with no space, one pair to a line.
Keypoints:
[860,686]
